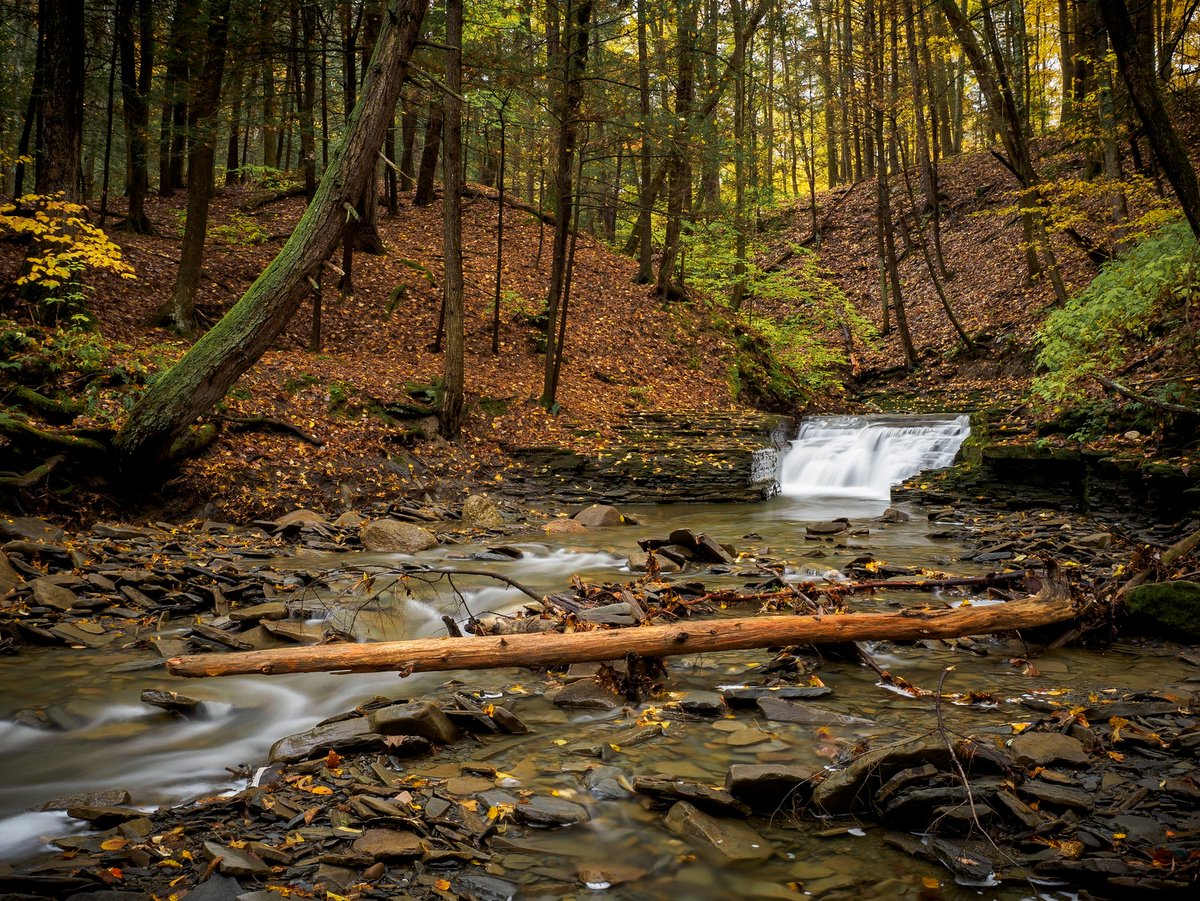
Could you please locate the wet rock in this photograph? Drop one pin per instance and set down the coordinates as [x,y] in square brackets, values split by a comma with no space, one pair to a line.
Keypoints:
[218,888]
[389,844]
[702,703]
[1167,608]
[600,876]
[730,840]
[300,518]
[9,577]
[1040,749]
[564,527]
[748,695]
[666,790]
[509,722]
[599,515]
[475,887]
[703,547]
[771,785]
[481,512]
[258,612]
[588,694]
[1060,795]
[295,630]
[607,783]
[1007,801]
[968,865]
[830,527]
[547,812]
[103,816]
[391,536]
[173,702]
[30,529]
[784,711]
[236,861]
[640,563]
[842,790]
[112,798]
[421,718]
[891,514]
[344,737]
[47,594]
[82,635]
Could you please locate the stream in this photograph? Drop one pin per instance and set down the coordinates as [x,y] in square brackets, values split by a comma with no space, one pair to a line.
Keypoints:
[840,466]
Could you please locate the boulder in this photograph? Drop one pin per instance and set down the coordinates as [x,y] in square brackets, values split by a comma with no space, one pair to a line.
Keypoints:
[422,718]
[391,536]
[1167,608]
[599,515]
[480,512]
[726,840]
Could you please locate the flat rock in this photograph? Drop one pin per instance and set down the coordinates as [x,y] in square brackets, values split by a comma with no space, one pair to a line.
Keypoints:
[702,703]
[111,798]
[1040,749]
[830,527]
[784,711]
[258,612]
[1061,795]
[475,887]
[103,816]
[389,844]
[770,785]
[748,695]
[47,594]
[174,702]
[391,536]
[599,515]
[219,888]
[619,614]
[481,512]
[588,694]
[300,518]
[30,529]
[343,736]
[547,811]
[236,861]
[607,783]
[730,840]
[422,718]
[665,789]
[564,527]
[296,630]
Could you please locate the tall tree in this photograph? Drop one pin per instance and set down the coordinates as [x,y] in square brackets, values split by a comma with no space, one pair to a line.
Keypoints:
[58,162]
[179,312]
[235,343]
[1137,70]
[137,66]
[452,277]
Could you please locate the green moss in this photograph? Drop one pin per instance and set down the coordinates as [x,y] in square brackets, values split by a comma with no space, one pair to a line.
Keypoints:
[1171,609]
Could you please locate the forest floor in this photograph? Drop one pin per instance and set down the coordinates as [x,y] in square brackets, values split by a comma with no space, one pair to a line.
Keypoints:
[626,350]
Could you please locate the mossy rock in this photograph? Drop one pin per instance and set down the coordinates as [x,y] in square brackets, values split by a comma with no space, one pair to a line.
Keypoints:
[1167,608]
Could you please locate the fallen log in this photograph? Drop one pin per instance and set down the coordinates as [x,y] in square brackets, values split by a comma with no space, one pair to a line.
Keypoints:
[1050,605]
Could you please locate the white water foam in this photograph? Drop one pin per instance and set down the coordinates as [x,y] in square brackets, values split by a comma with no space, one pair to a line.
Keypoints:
[864,456]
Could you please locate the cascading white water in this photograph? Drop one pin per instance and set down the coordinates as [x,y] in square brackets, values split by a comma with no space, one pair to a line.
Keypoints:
[864,456]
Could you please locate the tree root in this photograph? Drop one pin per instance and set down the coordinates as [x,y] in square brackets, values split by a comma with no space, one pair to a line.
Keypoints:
[266,424]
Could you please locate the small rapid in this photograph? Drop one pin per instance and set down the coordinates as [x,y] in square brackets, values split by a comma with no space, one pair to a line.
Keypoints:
[864,457]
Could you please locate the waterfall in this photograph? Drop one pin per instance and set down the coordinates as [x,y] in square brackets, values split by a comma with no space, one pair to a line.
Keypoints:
[864,456]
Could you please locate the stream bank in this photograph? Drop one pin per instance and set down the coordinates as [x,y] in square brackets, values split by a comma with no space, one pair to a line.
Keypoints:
[307,821]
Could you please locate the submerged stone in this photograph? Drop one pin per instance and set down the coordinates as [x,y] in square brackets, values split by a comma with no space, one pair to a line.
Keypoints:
[730,840]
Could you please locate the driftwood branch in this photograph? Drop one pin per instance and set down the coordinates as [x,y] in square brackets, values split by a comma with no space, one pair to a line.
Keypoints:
[1051,605]
[1145,399]
[266,424]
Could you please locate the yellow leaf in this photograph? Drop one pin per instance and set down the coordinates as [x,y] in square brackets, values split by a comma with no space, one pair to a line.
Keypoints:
[114,844]
[442,884]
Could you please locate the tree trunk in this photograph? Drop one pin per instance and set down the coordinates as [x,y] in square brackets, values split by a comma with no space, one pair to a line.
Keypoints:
[235,343]
[1051,605]
[1138,72]
[174,111]
[574,48]
[679,170]
[135,90]
[179,313]
[427,173]
[645,199]
[59,157]
[452,279]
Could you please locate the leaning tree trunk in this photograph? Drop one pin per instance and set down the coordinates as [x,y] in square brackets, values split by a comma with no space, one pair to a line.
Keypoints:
[233,345]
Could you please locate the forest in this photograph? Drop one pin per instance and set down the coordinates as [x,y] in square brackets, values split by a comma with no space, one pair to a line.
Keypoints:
[657,448]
